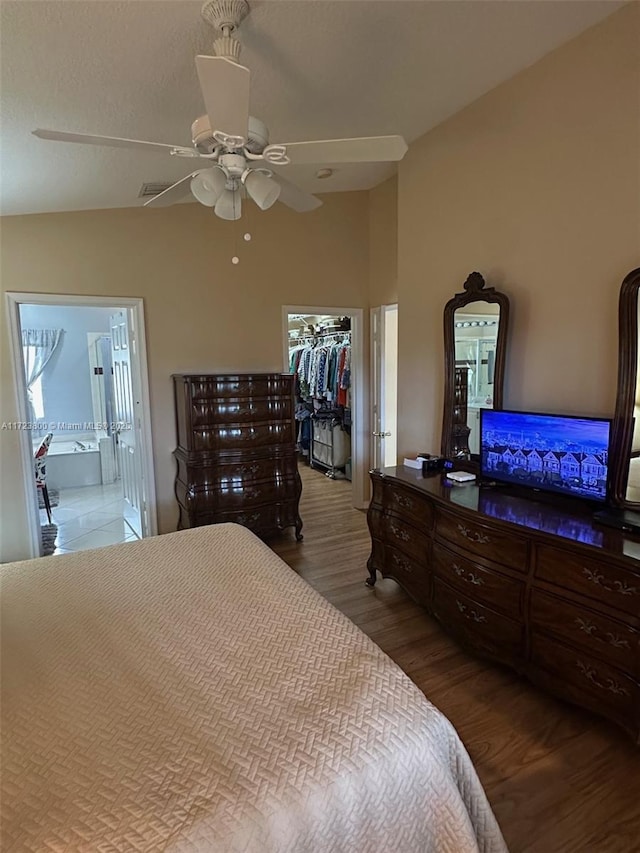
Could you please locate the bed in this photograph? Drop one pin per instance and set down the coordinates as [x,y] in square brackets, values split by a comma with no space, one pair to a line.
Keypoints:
[190,692]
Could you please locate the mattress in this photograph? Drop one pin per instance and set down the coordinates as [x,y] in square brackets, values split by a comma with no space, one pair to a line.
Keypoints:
[190,692]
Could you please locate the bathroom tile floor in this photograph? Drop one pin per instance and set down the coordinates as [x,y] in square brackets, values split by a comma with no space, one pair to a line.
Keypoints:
[90,517]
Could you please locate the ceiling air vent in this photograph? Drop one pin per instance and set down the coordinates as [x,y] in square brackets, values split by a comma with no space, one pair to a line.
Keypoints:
[151,189]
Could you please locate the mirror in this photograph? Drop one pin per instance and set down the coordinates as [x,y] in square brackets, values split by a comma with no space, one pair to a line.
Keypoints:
[475,333]
[625,436]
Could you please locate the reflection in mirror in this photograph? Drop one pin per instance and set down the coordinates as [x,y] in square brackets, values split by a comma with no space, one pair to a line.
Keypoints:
[475,329]
[475,338]
[625,441]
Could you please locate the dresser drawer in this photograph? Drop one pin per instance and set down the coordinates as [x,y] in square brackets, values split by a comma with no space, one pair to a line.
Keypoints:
[398,534]
[594,578]
[233,411]
[482,540]
[233,437]
[265,385]
[233,495]
[262,520]
[208,471]
[408,505]
[617,643]
[585,680]
[410,575]
[479,628]
[484,585]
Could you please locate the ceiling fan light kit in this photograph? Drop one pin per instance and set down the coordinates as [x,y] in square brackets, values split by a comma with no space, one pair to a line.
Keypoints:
[208,185]
[262,189]
[229,205]
[234,145]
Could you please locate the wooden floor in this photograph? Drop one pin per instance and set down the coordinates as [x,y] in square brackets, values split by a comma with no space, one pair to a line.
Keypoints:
[559,779]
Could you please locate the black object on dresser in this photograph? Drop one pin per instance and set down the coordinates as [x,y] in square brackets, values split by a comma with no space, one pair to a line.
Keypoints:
[535,586]
[236,452]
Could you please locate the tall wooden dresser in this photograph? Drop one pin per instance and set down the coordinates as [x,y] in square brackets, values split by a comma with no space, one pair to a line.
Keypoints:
[236,452]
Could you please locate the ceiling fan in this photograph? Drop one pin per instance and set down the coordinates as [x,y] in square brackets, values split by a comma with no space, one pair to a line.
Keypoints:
[234,145]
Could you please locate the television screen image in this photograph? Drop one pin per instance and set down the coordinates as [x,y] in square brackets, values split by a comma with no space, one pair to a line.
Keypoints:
[557,453]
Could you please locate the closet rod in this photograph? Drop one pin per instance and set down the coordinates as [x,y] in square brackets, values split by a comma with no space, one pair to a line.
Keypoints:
[303,338]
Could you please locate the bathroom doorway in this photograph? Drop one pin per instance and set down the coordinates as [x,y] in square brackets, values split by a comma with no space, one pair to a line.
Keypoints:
[80,372]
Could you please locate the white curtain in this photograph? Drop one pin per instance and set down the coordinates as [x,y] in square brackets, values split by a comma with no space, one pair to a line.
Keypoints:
[38,345]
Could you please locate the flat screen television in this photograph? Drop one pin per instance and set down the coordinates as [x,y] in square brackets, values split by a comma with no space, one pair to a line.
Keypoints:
[565,454]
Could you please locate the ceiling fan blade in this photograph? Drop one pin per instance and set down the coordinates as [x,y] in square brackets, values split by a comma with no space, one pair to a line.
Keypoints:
[294,197]
[114,141]
[365,149]
[173,193]
[225,89]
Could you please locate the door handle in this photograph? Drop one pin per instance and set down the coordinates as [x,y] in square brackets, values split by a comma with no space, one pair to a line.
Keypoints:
[380,434]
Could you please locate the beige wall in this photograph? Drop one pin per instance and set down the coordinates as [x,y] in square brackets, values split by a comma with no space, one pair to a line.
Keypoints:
[537,186]
[202,312]
[383,243]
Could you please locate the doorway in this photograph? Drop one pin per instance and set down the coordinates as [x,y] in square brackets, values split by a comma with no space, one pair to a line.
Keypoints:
[81,380]
[330,398]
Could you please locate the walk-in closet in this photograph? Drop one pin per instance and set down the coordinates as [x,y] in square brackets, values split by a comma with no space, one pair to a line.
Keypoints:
[320,359]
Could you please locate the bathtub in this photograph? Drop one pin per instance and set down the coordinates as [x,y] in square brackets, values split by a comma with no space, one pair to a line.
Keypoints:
[85,459]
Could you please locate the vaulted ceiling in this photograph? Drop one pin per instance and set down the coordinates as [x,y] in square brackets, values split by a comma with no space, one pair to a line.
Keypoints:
[335,68]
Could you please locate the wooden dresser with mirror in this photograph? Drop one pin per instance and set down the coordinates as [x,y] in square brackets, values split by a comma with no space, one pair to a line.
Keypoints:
[527,581]
[625,442]
[475,339]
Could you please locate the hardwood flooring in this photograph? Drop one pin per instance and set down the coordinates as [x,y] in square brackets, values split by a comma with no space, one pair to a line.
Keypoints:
[559,779]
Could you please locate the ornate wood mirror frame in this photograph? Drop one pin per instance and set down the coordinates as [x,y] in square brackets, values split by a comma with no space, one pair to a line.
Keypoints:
[455,427]
[625,437]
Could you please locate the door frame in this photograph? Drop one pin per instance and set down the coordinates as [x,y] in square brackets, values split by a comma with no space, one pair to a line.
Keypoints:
[135,309]
[378,373]
[97,396]
[359,435]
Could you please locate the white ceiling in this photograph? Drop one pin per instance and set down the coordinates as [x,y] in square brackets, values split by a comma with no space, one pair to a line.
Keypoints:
[319,70]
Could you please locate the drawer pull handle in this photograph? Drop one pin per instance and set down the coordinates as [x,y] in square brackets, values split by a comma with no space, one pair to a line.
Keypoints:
[468,613]
[469,578]
[405,565]
[480,538]
[585,625]
[403,501]
[615,640]
[400,534]
[590,629]
[616,586]
[592,675]
[249,469]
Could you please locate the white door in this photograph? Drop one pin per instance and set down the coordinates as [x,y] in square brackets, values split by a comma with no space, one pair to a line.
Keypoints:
[127,422]
[384,376]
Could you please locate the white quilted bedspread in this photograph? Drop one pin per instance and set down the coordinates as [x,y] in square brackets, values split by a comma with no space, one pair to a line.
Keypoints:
[191,693]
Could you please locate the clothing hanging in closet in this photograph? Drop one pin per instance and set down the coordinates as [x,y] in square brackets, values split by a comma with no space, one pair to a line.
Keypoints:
[323,371]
